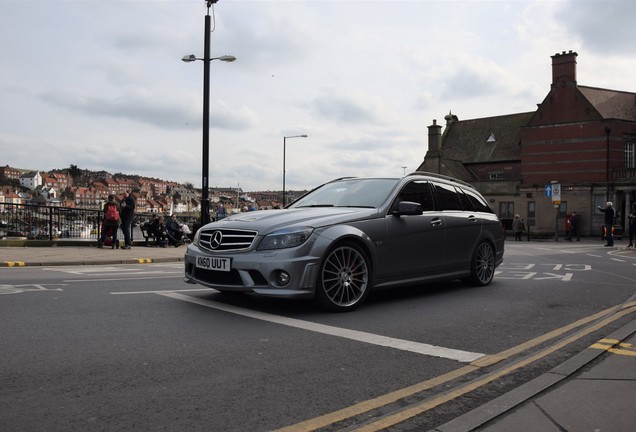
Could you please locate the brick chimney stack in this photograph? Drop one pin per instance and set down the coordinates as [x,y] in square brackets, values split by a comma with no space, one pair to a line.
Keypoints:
[435,137]
[564,69]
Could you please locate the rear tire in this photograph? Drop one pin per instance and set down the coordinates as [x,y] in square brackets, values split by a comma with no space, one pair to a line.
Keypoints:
[344,278]
[482,266]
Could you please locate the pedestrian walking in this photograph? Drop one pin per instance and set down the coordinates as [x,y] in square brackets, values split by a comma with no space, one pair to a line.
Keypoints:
[127,214]
[609,222]
[518,227]
[632,226]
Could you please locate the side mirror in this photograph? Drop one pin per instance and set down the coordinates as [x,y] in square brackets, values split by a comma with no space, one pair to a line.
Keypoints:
[408,208]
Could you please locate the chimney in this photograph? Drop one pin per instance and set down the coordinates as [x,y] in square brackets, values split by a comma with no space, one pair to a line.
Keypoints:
[434,137]
[564,69]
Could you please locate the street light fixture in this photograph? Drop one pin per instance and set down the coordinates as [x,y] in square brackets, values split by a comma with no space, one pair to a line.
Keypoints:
[205,200]
[284,151]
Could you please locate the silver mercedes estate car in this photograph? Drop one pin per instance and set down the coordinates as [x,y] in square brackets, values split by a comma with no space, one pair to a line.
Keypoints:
[349,236]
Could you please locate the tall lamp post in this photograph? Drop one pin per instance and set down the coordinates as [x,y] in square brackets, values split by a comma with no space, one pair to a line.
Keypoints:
[205,200]
[284,151]
[607,162]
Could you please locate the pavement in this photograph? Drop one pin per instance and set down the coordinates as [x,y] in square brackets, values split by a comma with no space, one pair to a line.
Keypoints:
[595,390]
[85,253]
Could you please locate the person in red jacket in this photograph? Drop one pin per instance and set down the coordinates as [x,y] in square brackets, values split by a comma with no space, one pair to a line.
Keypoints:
[111,222]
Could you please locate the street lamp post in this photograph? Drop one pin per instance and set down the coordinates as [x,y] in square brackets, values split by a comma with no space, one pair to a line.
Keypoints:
[205,200]
[284,151]
[607,162]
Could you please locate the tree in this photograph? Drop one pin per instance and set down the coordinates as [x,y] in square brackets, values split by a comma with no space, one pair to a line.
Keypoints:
[74,172]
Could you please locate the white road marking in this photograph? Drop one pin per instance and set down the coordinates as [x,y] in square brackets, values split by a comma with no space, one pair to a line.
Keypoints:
[124,278]
[118,273]
[404,345]
[161,291]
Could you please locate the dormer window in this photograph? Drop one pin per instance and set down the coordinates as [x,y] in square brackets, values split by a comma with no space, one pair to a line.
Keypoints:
[491,138]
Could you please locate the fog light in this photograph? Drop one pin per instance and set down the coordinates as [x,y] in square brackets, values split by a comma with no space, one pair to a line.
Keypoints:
[282,278]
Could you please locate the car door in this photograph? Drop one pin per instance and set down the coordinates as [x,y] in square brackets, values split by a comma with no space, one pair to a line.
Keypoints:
[415,243]
[463,225]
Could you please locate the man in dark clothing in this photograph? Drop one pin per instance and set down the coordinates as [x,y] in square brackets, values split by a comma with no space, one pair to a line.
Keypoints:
[609,222]
[127,214]
[632,225]
[574,228]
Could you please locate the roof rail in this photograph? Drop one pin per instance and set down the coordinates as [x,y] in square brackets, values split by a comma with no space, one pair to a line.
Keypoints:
[441,176]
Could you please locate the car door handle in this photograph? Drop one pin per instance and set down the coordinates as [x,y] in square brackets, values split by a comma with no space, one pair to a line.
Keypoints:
[472,218]
[436,222]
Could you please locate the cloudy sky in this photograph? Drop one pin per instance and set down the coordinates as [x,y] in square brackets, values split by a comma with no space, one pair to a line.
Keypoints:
[100,83]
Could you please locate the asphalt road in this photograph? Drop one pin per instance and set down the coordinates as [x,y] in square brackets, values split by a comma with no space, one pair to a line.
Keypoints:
[132,347]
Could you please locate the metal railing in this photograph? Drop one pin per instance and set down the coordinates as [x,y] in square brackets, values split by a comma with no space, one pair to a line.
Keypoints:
[52,223]
[48,222]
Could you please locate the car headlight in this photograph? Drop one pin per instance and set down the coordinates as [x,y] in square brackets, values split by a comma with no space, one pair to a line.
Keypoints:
[285,238]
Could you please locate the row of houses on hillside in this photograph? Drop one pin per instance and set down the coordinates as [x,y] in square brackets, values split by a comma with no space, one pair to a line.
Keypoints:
[580,138]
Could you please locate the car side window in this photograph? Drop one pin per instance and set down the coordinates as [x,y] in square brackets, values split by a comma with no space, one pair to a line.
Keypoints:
[463,198]
[419,192]
[447,197]
[479,203]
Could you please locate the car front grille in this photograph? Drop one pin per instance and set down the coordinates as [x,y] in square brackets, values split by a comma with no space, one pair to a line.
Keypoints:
[225,240]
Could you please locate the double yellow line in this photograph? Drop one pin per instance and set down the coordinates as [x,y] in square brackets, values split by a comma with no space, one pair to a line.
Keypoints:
[602,319]
[615,347]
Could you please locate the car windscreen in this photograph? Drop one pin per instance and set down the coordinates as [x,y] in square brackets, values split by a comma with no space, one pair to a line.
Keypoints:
[349,193]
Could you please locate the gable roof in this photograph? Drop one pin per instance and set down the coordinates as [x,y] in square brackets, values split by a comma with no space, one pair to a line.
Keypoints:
[490,139]
[611,104]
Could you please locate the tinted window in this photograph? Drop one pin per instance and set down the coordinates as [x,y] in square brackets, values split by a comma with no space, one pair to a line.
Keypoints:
[466,203]
[419,192]
[447,198]
[478,202]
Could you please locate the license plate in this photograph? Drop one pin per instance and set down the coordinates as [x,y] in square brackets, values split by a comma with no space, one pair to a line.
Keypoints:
[214,263]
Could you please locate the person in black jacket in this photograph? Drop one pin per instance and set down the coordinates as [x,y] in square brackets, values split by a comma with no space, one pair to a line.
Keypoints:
[574,228]
[609,222]
[127,214]
[157,228]
[632,225]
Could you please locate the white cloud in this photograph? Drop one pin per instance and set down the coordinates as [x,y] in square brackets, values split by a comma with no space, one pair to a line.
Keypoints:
[100,84]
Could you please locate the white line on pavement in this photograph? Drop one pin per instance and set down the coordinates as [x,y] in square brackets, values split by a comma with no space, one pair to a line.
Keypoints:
[404,345]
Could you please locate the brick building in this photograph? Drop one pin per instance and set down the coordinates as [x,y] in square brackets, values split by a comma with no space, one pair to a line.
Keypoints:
[582,137]
[10,173]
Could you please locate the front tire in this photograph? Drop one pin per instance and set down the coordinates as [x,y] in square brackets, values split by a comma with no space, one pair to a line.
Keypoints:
[343,278]
[482,266]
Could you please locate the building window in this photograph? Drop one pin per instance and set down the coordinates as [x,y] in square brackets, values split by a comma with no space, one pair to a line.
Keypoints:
[495,176]
[599,201]
[630,145]
[506,210]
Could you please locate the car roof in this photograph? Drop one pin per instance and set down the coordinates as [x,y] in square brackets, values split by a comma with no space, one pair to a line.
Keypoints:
[412,174]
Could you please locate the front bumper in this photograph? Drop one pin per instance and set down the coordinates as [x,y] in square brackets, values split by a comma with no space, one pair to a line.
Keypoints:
[256,272]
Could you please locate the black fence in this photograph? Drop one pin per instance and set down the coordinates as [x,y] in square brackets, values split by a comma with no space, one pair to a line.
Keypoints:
[48,222]
[52,223]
